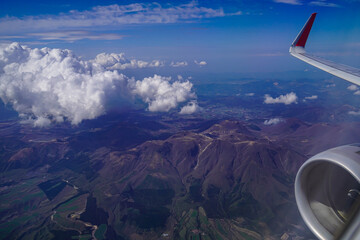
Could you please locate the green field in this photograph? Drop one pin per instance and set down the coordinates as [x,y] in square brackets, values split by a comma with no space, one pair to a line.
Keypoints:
[100,232]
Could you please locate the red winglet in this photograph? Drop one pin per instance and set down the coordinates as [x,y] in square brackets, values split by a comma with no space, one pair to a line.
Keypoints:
[300,41]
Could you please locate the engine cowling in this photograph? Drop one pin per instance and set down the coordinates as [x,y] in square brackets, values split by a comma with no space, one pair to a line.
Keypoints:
[327,190]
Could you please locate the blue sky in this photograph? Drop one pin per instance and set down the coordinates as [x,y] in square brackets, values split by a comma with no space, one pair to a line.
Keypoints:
[231,36]
[156,52]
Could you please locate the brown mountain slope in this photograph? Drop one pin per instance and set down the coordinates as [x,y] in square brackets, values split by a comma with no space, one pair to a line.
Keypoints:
[226,170]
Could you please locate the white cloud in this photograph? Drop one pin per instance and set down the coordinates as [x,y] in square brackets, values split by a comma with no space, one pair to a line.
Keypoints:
[190,108]
[354,113]
[352,87]
[52,85]
[273,121]
[11,37]
[323,3]
[178,64]
[357,92]
[71,36]
[201,63]
[267,54]
[249,94]
[285,99]
[160,94]
[42,122]
[111,15]
[313,97]
[292,2]
[118,61]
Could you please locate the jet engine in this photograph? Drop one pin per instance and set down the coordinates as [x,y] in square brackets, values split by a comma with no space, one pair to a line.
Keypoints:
[327,191]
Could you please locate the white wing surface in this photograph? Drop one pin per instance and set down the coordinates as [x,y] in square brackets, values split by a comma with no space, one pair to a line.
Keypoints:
[297,49]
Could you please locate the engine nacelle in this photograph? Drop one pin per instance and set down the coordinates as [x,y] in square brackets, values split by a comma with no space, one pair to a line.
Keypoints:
[327,189]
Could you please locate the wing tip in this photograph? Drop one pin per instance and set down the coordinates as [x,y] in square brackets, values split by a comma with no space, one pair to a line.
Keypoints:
[302,37]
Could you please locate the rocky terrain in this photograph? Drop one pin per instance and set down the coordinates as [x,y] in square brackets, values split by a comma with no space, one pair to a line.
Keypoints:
[158,179]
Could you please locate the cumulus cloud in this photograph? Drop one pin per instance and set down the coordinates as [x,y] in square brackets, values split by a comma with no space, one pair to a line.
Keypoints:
[54,85]
[249,94]
[272,121]
[190,108]
[352,87]
[178,64]
[285,99]
[201,63]
[111,15]
[160,94]
[313,97]
[117,61]
[42,122]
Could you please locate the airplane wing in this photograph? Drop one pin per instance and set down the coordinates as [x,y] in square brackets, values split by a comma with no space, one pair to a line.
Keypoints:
[297,49]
